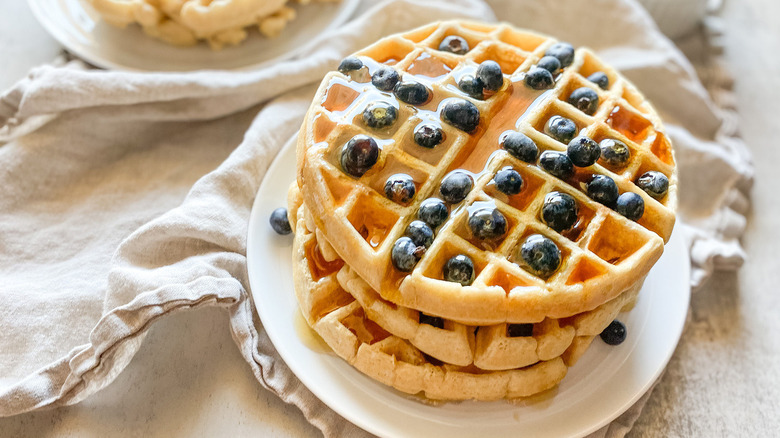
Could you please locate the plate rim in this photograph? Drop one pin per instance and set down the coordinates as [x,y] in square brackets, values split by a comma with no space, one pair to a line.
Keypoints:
[289,148]
[348,8]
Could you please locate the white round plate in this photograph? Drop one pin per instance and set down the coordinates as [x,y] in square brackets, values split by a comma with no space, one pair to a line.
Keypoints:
[79,28]
[602,385]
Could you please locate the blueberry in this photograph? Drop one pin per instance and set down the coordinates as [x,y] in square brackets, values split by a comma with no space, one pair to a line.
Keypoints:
[520,146]
[614,152]
[614,334]
[540,255]
[508,181]
[428,135]
[489,72]
[359,155]
[557,164]
[454,44]
[459,269]
[654,184]
[279,221]
[411,92]
[456,186]
[550,63]
[487,223]
[385,78]
[585,99]
[600,78]
[519,330]
[420,233]
[379,114]
[461,114]
[603,189]
[559,211]
[630,205]
[539,79]
[406,254]
[563,51]
[561,129]
[433,211]
[434,321]
[350,63]
[400,188]
[471,86]
[583,151]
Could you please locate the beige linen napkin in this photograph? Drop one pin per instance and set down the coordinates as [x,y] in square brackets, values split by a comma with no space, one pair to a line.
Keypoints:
[126,196]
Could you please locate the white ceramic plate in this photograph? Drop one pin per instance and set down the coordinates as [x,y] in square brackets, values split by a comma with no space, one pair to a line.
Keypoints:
[78,27]
[604,383]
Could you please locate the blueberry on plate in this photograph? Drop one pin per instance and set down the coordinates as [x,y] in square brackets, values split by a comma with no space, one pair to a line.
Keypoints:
[385,78]
[540,255]
[461,114]
[539,79]
[379,114]
[350,63]
[630,205]
[434,321]
[600,78]
[583,151]
[459,269]
[406,254]
[411,92]
[561,129]
[433,211]
[508,181]
[471,86]
[279,221]
[550,63]
[614,152]
[654,184]
[519,330]
[603,189]
[359,155]
[420,233]
[400,188]
[487,223]
[559,211]
[614,334]
[454,44]
[456,186]
[428,135]
[563,51]
[520,146]
[489,72]
[556,164]
[585,99]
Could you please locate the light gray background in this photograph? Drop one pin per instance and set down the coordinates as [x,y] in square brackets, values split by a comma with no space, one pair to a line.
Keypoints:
[724,379]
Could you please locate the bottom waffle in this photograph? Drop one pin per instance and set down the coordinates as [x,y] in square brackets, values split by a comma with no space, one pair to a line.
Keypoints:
[418,353]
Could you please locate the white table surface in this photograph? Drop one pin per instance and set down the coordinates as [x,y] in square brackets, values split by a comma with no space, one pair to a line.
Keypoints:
[213,393]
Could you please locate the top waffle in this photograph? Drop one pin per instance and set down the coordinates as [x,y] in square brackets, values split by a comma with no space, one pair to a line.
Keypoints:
[555,191]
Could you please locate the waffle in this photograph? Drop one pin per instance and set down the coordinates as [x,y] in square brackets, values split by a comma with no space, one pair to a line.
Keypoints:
[185,22]
[603,254]
[496,347]
[345,326]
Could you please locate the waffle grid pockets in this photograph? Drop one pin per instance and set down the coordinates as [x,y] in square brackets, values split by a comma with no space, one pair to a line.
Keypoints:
[604,255]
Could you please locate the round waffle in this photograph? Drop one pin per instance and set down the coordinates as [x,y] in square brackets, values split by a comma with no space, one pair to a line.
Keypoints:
[602,255]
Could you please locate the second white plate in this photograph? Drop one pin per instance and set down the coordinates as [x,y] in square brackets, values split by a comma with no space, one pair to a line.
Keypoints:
[604,383]
[79,28]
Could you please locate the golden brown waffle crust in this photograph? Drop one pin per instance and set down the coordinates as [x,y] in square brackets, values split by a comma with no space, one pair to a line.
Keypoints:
[483,303]
[394,361]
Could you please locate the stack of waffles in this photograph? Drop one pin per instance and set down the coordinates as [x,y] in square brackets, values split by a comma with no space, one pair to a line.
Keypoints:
[507,329]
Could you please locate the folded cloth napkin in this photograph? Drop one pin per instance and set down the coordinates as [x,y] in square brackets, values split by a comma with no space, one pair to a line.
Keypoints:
[126,196]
